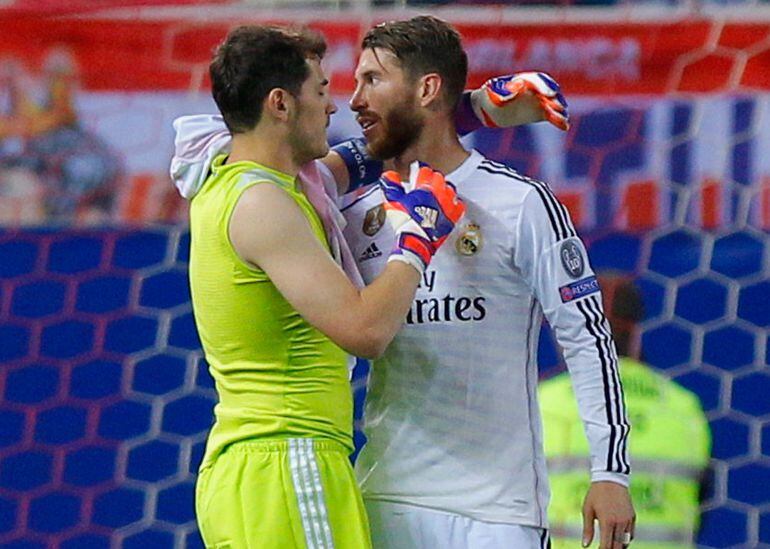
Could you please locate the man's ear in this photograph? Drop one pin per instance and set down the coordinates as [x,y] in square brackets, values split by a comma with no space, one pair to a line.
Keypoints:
[279,104]
[429,90]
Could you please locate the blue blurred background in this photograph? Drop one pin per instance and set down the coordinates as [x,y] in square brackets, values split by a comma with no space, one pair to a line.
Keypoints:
[105,398]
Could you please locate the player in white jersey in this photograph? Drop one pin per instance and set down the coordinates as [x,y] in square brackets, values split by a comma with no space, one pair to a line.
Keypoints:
[454,456]
[437,527]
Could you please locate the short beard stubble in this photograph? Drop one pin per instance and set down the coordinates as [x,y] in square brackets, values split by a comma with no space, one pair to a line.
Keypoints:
[403,125]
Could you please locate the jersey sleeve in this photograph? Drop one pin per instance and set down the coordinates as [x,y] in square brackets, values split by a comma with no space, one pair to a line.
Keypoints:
[553,260]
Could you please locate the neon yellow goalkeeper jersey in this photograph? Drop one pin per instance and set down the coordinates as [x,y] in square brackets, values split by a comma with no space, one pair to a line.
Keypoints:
[276,375]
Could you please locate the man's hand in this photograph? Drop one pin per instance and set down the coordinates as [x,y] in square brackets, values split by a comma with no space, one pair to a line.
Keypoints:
[520,98]
[610,504]
[422,211]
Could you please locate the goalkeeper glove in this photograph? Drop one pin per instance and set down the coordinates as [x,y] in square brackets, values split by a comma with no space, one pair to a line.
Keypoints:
[422,211]
[520,98]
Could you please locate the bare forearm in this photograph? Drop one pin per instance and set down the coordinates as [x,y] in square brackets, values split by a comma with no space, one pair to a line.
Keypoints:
[385,303]
[269,231]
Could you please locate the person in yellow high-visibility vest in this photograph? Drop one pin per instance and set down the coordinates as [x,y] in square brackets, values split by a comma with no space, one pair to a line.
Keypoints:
[669,451]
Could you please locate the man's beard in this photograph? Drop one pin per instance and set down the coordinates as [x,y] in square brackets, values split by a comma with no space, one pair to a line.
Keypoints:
[403,126]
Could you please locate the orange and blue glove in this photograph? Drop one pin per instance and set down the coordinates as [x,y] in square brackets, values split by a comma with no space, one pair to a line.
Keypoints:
[423,211]
[520,98]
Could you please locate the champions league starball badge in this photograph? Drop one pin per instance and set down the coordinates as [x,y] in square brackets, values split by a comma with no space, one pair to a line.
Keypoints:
[572,259]
[470,241]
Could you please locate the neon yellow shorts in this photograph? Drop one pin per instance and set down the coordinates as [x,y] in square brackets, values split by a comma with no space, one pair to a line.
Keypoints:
[282,494]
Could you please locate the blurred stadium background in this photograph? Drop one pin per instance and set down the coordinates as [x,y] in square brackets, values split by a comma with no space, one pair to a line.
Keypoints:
[106,400]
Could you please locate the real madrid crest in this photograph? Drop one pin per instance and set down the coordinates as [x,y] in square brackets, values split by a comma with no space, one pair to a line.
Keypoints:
[374,220]
[470,240]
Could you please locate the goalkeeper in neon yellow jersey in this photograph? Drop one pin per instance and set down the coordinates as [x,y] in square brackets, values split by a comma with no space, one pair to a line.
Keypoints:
[276,314]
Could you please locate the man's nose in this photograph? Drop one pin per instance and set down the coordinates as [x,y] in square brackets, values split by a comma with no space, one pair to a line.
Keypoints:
[357,101]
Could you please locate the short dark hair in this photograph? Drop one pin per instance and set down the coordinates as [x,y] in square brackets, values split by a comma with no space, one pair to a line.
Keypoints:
[425,44]
[255,59]
[624,307]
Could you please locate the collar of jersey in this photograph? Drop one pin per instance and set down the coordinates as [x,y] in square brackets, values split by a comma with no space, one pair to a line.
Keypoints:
[459,174]
[218,166]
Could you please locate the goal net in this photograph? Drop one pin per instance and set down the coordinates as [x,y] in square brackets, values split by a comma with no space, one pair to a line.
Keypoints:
[106,398]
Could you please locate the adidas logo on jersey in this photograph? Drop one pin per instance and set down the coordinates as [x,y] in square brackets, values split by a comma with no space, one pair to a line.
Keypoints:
[370,252]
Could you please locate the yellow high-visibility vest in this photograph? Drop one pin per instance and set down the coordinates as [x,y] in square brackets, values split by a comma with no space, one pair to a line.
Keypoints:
[669,447]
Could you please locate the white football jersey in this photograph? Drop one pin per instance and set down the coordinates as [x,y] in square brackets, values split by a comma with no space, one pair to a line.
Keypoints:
[451,414]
